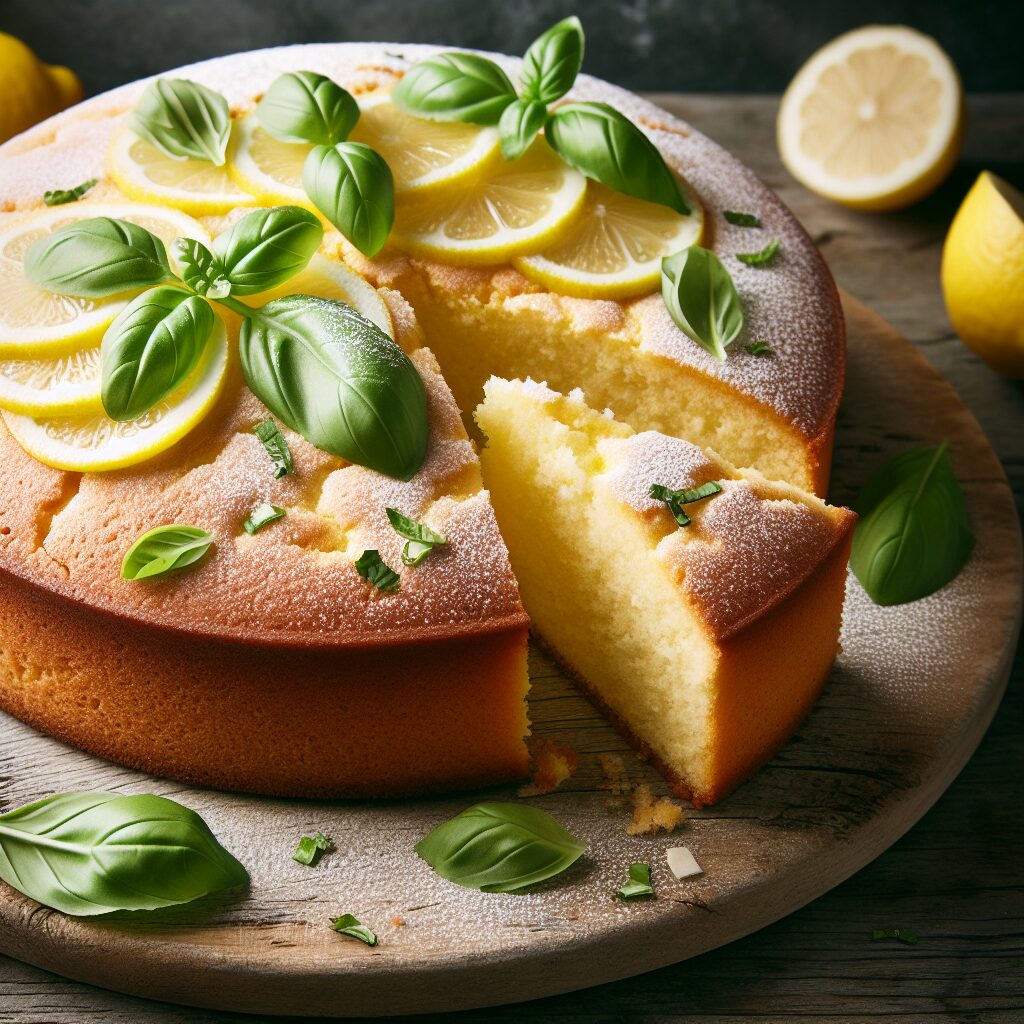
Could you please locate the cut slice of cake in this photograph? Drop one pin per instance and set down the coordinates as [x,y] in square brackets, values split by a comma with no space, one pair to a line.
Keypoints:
[707,643]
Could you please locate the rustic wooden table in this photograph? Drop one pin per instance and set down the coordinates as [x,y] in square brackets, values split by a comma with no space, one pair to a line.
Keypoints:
[956,878]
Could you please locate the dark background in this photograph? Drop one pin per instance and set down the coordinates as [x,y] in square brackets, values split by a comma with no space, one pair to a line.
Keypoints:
[687,45]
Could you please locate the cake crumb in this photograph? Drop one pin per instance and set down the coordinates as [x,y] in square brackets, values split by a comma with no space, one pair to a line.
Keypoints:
[553,764]
[398,922]
[614,770]
[652,814]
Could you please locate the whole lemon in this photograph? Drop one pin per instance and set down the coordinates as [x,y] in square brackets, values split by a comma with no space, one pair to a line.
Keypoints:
[31,90]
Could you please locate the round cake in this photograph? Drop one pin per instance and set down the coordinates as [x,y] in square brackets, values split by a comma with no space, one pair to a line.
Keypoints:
[272,666]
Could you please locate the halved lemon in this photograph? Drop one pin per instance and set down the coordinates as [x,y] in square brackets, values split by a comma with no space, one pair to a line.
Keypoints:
[614,248]
[518,207]
[143,172]
[423,154]
[269,170]
[60,386]
[36,323]
[93,443]
[874,119]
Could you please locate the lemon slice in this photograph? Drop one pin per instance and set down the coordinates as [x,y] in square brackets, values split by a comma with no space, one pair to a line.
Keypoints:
[35,323]
[518,207]
[874,119]
[195,186]
[92,443]
[423,154]
[614,248]
[269,170]
[61,386]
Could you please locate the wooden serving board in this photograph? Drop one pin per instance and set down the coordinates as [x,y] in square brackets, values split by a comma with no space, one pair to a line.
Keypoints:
[906,705]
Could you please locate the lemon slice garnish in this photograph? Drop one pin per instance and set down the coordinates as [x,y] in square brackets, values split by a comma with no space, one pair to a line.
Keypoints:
[614,248]
[874,119]
[269,170]
[519,207]
[60,386]
[94,442]
[37,323]
[143,172]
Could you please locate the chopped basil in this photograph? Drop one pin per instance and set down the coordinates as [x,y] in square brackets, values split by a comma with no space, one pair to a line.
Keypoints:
[742,220]
[311,848]
[277,447]
[419,538]
[639,883]
[760,348]
[676,499]
[60,196]
[371,567]
[261,515]
[903,935]
[762,258]
[349,925]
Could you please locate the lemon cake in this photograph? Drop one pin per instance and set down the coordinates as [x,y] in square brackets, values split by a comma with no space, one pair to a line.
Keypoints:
[706,643]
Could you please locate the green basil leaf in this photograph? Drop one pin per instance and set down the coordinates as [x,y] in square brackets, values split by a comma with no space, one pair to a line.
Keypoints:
[420,539]
[904,935]
[519,126]
[200,269]
[261,515]
[165,549]
[373,568]
[913,535]
[302,106]
[311,848]
[351,185]
[92,853]
[150,348]
[97,257]
[759,348]
[702,299]
[277,447]
[183,119]
[60,196]
[639,883]
[552,62]
[604,145]
[676,499]
[266,247]
[762,258]
[742,220]
[349,925]
[338,380]
[497,847]
[455,87]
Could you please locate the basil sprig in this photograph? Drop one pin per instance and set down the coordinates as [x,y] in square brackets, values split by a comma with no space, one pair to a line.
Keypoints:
[302,106]
[165,549]
[349,925]
[913,535]
[519,125]
[497,847]
[702,299]
[183,119]
[352,186]
[455,87]
[552,62]
[93,853]
[150,348]
[200,269]
[420,539]
[60,196]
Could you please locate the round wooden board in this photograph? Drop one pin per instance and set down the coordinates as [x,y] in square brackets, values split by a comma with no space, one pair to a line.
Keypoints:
[906,705]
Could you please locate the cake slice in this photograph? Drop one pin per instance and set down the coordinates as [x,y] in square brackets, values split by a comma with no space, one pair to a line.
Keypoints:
[707,643]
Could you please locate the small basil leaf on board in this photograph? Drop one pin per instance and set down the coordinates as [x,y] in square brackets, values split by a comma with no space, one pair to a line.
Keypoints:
[913,535]
[163,550]
[60,196]
[183,119]
[497,847]
[455,87]
[638,884]
[338,380]
[351,185]
[519,126]
[311,848]
[200,269]
[552,62]
[92,853]
[702,299]
[604,145]
[97,257]
[266,247]
[302,106]
[150,348]
[349,925]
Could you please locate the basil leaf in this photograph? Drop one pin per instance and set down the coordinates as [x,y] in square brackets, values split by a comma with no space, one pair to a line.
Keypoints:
[676,499]
[904,935]
[913,535]
[552,62]
[639,883]
[60,196]
[97,257]
[276,446]
[311,848]
[373,568]
[701,298]
[349,925]
[351,185]
[604,145]
[742,220]
[338,380]
[762,258]
[759,348]
[165,549]
[302,106]
[519,126]
[183,119]
[420,538]
[150,348]
[200,269]
[497,847]
[455,87]
[91,853]
[261,515]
